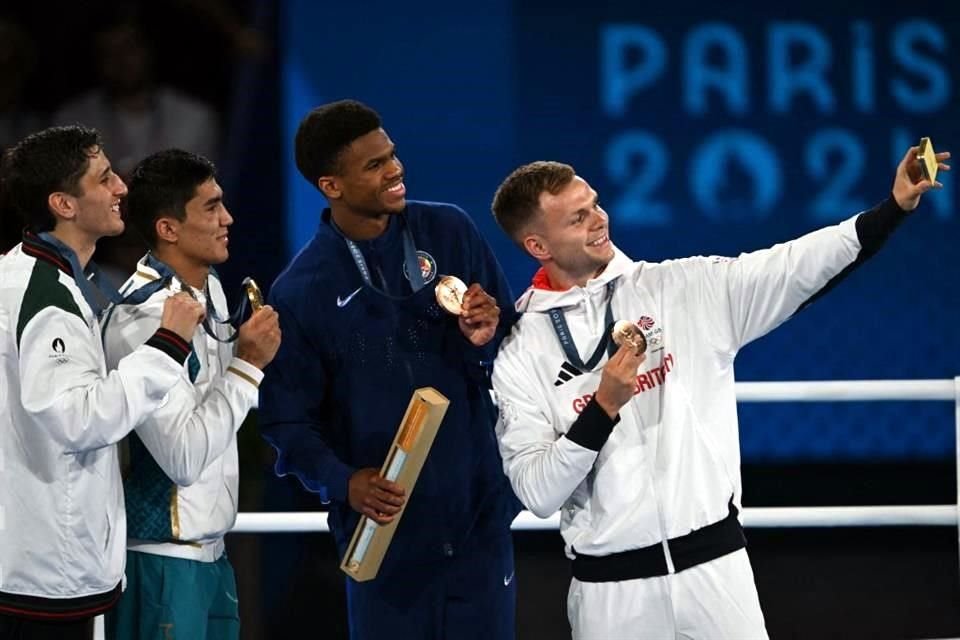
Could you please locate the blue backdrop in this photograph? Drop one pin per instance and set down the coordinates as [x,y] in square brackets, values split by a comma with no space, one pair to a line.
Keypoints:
[706,131]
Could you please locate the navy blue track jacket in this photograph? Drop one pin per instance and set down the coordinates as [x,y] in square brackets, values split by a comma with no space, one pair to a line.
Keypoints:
[351,356]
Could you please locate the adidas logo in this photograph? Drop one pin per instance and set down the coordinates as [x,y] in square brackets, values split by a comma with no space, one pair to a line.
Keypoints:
[567,372]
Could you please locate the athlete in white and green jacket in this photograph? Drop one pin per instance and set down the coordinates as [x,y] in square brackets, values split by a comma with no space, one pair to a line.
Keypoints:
[62,522]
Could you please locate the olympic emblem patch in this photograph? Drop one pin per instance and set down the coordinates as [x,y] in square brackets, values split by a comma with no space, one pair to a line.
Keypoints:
[428,267]
[58,351]
[652,333]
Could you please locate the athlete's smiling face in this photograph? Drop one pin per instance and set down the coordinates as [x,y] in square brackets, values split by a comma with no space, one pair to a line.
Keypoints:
[369,178]
[571,235]
[96,210]
[203,234]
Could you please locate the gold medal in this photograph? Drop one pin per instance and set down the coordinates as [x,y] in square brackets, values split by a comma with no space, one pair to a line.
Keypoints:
[625,331]
[253,293]
[449,292]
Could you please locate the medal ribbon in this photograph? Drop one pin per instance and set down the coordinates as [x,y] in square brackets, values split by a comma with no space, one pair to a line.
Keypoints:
[410,259]
[141,295]
[90,281]
[566,338]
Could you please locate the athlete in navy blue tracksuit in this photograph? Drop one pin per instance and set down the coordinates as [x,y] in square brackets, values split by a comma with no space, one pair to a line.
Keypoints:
[359,337]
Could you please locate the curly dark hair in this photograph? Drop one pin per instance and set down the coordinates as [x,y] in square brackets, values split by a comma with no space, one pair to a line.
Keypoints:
[326,131]
[45,162]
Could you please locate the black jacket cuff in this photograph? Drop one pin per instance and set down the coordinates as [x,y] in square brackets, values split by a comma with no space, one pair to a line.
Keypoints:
[592,428]
[171,344]
[875,225]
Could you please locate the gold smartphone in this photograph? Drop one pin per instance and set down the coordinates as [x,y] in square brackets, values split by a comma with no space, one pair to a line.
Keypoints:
[928,160]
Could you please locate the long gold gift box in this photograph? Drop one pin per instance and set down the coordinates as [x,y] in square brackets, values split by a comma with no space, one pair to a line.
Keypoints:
[405,459]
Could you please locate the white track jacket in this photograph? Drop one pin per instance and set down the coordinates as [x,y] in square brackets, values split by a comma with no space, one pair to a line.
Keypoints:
[182,485]
[62,522]
[671,464]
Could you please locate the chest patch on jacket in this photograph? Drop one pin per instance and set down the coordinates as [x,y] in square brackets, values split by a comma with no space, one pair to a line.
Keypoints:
[647,380]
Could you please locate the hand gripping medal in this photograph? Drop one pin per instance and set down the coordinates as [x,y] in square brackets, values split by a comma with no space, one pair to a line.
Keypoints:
[449,292]
[254,294]
[625,331]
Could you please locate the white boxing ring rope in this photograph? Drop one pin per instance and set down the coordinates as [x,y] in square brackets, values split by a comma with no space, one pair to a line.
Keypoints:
[848,390]
[759,517]
[813,391]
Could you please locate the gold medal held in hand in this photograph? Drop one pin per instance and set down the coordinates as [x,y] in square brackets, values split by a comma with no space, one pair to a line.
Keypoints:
[625,331]
[253,293]
[449,292]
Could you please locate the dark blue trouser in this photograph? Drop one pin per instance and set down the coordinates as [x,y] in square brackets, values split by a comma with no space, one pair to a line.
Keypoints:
[470,595]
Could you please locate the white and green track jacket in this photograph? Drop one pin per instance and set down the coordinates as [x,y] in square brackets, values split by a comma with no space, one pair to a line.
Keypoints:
[62,522]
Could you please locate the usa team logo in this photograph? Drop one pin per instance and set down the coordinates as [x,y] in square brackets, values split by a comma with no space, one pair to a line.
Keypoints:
[428,267]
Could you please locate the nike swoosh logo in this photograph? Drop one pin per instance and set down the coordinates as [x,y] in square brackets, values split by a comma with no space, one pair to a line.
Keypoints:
[342,302]
[508,579]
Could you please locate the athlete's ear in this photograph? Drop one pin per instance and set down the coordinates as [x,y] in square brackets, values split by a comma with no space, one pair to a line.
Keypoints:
[167,229]
[62,205]
[536,246]
[330,187]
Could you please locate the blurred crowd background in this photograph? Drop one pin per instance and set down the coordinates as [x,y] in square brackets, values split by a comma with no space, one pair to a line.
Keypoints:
[149,76]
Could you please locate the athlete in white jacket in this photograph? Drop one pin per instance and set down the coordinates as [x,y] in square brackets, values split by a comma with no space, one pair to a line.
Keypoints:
[182,483]
[62,524]
[639,448]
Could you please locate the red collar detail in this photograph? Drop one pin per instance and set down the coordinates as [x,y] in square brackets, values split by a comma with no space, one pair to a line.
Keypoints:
[542,281]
